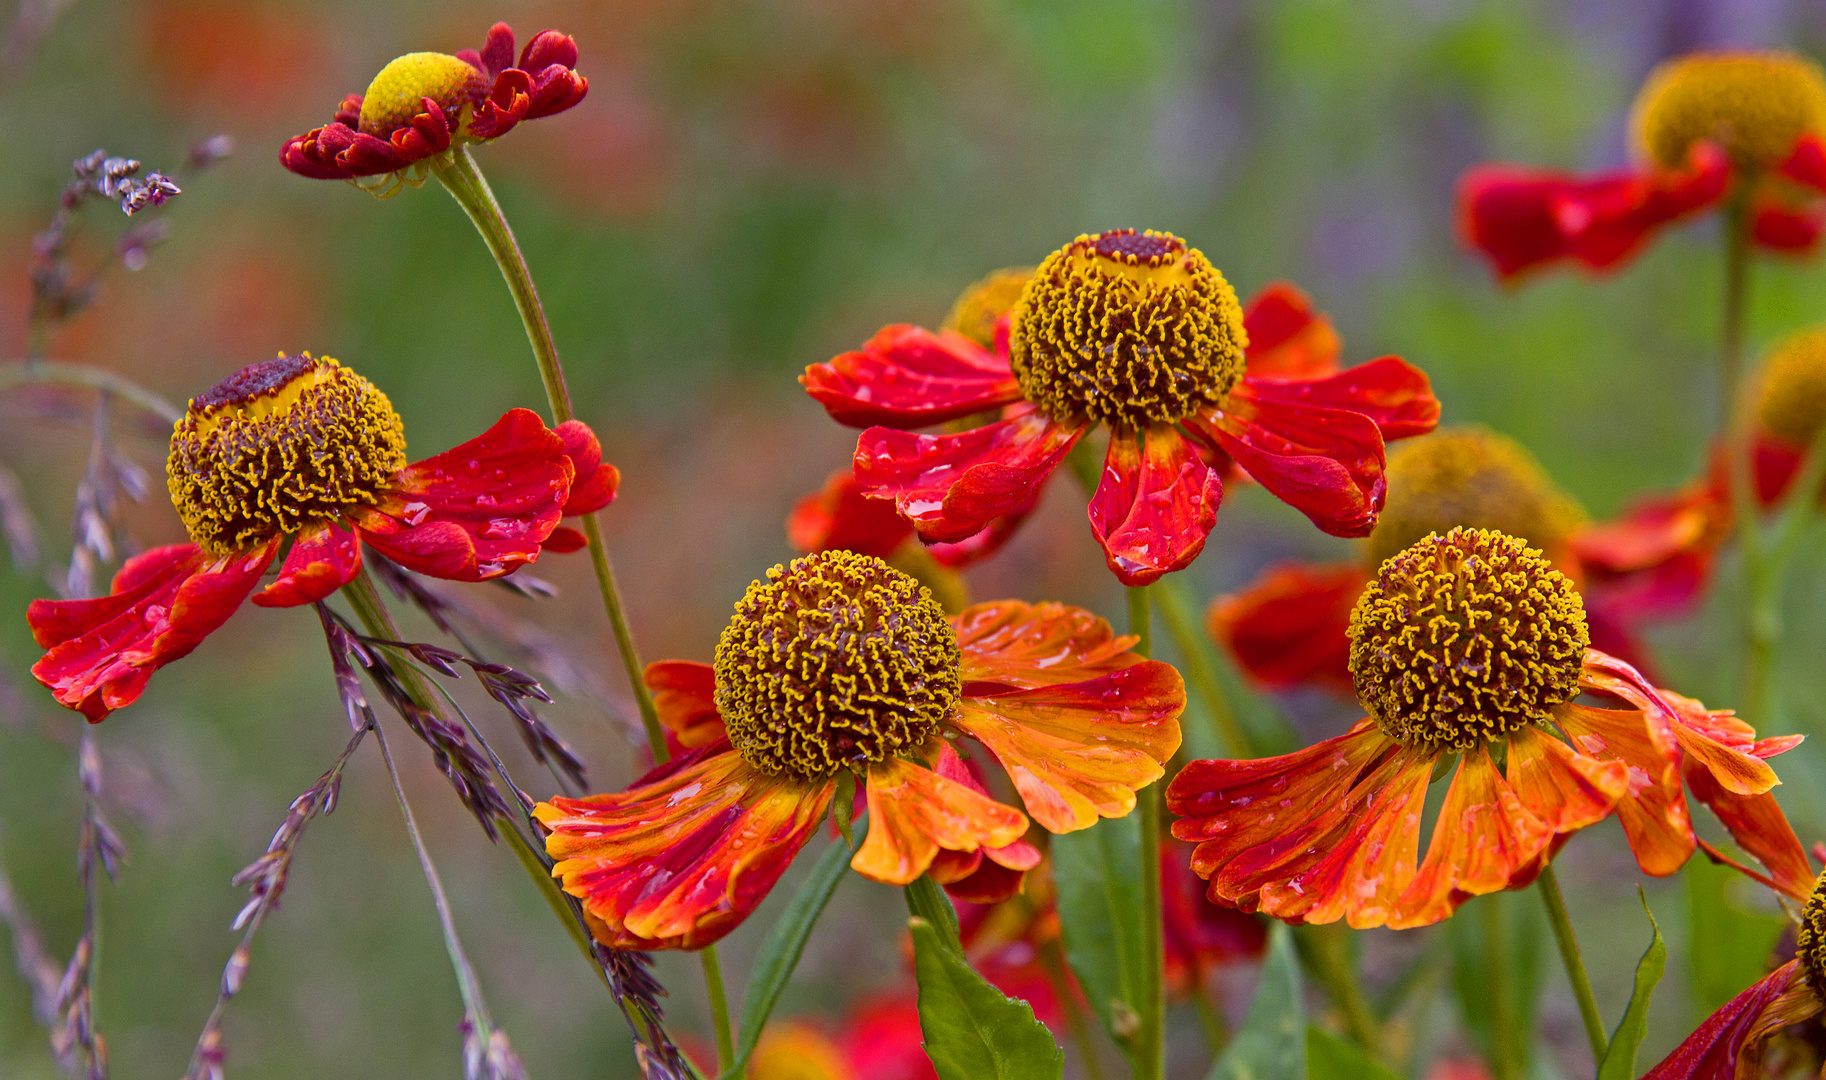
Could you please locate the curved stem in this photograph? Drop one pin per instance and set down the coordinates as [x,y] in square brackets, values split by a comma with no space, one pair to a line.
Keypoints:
[1503,1060]
[719,1008]
[470,189]
[1575,965]
[1175,611]
[65,373]
[1149,1045]
[1761,625]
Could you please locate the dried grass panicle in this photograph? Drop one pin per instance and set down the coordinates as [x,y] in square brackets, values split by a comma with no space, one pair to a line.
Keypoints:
[98,524]
[490,1058]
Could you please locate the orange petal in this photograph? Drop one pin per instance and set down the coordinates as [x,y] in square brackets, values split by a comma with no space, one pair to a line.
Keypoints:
[684,692]
[1080,751]
[1013,643]
[914,812]
[1758,825]
[683,857]
[1737,771]
[1653,811]
[1484,838]
[1561,786]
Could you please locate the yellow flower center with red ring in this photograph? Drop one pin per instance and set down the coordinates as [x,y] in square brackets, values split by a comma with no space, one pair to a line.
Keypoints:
[1754,105]
[397,94]
[1130,328]
[977,308]
[1464,638]
[1810,943]
[1475,478]
[1791,392]
[835,661]
[279,444]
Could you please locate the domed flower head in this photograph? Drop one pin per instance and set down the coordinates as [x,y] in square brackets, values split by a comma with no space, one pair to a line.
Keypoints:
[1705,127]
[1137,332]
[302,448]
[1472,645]
[838,663]
[1289,628]
[1729,1045]
[423,103]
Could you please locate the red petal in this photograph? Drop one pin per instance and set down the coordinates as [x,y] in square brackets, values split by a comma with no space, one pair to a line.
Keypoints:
[1656,559]
[555,89]
[548,47]
[1011,644]
[953,486]
[1326,463]
[1199,936]
[684,692]
[163,604]
[508,102]
[1394,393]
[1758,825]
[906,377]
[988,875]
[1729,1043]
[1785,229]
[839,517]
[497,53]
[1288,339]
[303,154]
[479,510]
[682,858]
[1807,164]
[1289,628]
[1724,753]
[593,483]
[320,562]
[1155,505]
[564,540]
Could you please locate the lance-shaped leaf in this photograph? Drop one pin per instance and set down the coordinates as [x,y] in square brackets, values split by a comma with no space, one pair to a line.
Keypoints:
[972,1030]
[1620,1060]
[1331,1058]
[1271,1045]
[1098,871]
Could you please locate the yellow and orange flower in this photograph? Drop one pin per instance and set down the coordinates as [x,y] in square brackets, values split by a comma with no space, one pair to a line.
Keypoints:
[1706,128]
[839,663]
[1466,644]
[303,447]
[423,103]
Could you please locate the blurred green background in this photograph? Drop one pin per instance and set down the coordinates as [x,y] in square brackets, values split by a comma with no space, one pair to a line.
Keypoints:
[751,187]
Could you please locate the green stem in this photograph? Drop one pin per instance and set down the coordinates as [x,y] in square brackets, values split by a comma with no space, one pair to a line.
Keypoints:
[1575,964]
[1327,954]
[64,373]
[1052,960]
[1502,1017]
[1761,626]
[1149,1045]
[1210,1018]
[719,1008]
[470,189]
[1177,614]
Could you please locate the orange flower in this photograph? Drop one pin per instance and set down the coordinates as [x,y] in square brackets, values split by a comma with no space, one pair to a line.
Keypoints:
[304,447]
[422,103]
[840,663]
[1465,643]
[1703,126]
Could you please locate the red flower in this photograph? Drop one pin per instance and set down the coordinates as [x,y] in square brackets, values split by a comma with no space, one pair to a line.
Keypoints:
[1704,125]
[1463,641]
[423,103]
[305,447]
[841,662]
[841,517]
[1137,331]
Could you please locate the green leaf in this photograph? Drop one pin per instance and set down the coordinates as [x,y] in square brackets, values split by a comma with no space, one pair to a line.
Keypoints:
[1620,1060]
[1726,945]
[1098,871]
[1331,1058]
[781,949]
[972,1030]
[927,901]
[1271,1045]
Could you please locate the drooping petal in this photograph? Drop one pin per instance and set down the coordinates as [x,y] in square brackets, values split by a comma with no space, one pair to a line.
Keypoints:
[321,561]
[1485,838]
[987,875]
[1326,463]
[1656,558]
[1786,229]
[914,812]
[1155,504]
[1390,391]
[839,517]
[682,857]
[1520,219]
[979,546]
[1729,1044]
[1738,771]
[1079,751]
[1758,825]
[1565,789]
[478,510]
[908,377]
[497,52]
[1015,644]
[952,486]
[593,481]
[1289,628]
[1288,338]
[684,693]
[1653,810]
[162,604]
[507,102]
[1807,164]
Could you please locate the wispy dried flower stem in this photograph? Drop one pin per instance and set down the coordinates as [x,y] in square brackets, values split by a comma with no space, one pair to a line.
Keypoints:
[99,847]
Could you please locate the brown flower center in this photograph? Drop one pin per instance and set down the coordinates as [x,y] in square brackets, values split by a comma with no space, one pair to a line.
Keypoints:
[1464,638]
[1476,478]
[837,660]
[1754,105]
[397,94]
[978,307]
[1791,392]
[1129,328]
[278,444]
[1810,943]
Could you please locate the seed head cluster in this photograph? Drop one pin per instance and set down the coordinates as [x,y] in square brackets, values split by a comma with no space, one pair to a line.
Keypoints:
[1791,390]
[1464,638]
[278,444]
[397,93]
[1127,328]
[1754,105]
[978,307]
[835,661]
[1810,943]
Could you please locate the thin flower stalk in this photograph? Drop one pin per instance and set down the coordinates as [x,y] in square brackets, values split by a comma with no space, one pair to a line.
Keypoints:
[1761,626]
[101,848]
[1575,964]
[1149,1044]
